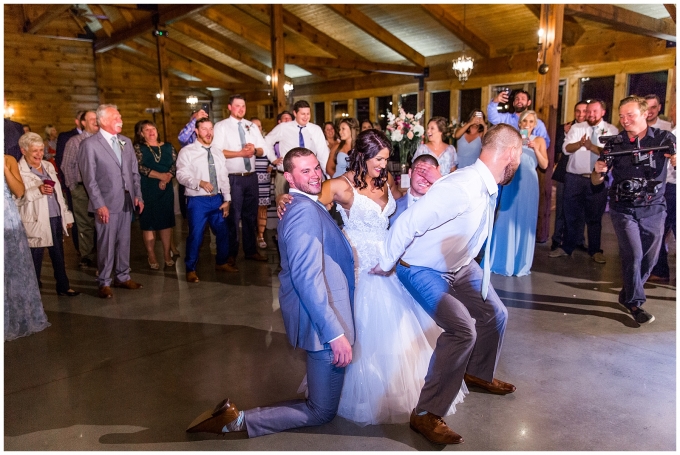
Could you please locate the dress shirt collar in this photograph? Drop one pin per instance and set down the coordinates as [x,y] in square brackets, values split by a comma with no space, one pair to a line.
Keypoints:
[297,125]
[313,197]
[107,136]
[486,175]
[79,131]
[411,198]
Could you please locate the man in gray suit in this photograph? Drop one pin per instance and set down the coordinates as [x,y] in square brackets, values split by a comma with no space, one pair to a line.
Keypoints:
[317,301]
[110,174]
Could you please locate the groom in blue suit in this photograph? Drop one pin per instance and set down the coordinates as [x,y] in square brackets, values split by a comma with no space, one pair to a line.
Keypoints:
[317,304]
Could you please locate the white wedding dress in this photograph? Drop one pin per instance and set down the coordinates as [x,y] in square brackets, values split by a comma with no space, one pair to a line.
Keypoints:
[395,337]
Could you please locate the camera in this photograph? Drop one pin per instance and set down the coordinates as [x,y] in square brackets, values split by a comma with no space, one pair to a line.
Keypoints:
[636,188]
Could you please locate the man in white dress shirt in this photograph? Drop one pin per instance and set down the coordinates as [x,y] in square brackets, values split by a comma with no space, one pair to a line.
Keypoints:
[299,133]
[584,203]
[434,243]
[240,141]
[653,110]
[202,170]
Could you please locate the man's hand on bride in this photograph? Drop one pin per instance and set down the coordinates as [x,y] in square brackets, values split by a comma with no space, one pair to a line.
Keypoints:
[378,271]
[281,202]
[342,352]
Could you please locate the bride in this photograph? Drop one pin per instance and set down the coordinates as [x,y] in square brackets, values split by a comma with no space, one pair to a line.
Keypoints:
[394,336]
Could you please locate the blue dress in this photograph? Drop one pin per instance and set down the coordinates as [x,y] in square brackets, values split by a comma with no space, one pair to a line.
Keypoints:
[341,164]
[24,312]
[468,152]
[514,235]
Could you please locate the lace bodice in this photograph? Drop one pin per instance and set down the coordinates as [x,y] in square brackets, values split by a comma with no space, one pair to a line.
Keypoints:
[366,228]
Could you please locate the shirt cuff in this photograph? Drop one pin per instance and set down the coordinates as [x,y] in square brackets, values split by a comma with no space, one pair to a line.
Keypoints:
[341,335]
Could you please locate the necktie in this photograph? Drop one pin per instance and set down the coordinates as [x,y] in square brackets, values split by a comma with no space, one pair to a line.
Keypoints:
[594,140]
[211,171]
[594,135]
[116,148]
[242,135]
[487,262]
[302,139]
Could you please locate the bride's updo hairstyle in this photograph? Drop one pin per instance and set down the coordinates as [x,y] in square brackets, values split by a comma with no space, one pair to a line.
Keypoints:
[369,143]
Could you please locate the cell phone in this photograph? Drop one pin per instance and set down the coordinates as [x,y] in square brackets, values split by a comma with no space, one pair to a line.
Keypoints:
[206,108]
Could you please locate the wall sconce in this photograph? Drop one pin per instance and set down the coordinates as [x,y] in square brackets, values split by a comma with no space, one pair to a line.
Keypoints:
[158,96]
[8,112]
[192,100]
[287,88]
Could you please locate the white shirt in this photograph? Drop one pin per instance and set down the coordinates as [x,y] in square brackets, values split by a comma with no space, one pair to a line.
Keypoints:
[582,161]
[313,197]
[410,199]
[226,137]
[662,125]
[437,231]
[287,134]
[108,136]
[192,167]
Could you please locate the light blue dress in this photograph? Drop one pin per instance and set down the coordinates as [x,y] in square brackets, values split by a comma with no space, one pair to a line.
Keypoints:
[446,160]
[468,152]
[514,235]
[24,312]
[341,164]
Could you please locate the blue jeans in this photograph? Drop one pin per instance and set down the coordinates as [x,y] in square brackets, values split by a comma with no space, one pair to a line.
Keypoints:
[324,384]
[202,210]
[661,269]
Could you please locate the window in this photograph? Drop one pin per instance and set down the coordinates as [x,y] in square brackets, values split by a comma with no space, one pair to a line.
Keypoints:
[470,100]
[599,87]
[362,109]
[319,113]
[339,110]
[384,106]
[269,111]
[409,103]
[643,84]
[441,104]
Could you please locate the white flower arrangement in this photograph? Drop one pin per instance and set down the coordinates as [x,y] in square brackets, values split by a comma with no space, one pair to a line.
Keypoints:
[405,131]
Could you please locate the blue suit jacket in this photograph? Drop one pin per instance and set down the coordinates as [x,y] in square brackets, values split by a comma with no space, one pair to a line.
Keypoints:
[317,276]
[402,204]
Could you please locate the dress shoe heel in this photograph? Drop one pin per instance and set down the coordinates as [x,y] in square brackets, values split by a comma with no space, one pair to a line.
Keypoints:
[153,265]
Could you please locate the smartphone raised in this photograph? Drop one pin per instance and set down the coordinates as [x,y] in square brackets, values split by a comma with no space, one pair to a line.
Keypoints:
[206,108]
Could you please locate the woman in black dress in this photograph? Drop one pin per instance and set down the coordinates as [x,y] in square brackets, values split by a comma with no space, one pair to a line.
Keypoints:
[156,168]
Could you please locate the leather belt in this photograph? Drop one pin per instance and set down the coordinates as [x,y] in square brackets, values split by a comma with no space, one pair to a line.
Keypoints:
[404,263]
[279,172]
[241,174]
[585,175]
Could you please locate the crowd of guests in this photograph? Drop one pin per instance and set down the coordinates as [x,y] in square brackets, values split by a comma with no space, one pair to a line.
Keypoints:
[95,181]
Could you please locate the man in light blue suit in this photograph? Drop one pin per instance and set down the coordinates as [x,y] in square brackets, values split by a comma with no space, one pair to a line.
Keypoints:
[418,186]
[317,304]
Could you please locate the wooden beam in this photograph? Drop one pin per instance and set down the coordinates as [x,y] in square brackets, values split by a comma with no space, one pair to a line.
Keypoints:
[185,51]
[448,21]
[53,12]
[545,104]
[360,65]
[571,30]
[133,60]
[235,26]
[314,35]
[104,23]
[671,10]
[164,83]
[625,20]
[222,45]
[278,57]
[352,14]
[167,15]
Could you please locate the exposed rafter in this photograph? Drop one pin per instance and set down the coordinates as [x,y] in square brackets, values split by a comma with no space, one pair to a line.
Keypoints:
[670,7]
[360,65]
[104,23]
[53,11]
[571,31]
[259,39]
[368,25]
[625,20]
[448,21]
[167,14]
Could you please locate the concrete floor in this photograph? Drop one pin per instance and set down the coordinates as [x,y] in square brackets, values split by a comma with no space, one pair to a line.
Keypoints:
[132,372]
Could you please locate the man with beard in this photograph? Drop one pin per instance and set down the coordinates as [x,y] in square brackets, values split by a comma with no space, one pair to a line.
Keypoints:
[584,203]
[433,244]
[521,102]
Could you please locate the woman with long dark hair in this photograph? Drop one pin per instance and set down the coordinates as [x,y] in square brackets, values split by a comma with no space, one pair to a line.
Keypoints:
[394,336]
[469,138]
[339,157]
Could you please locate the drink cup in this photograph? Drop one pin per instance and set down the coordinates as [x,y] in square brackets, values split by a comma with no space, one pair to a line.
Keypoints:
[49,182]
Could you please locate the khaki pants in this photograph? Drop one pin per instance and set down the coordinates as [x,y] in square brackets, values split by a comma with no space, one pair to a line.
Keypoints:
[84,222]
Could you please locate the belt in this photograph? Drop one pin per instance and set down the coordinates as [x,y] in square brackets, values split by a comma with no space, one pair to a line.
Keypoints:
[279,172]
[241,174]
[585,175]
[404,263]
[80,183]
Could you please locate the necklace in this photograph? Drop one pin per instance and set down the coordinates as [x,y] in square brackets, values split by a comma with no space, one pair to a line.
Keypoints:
[156,156]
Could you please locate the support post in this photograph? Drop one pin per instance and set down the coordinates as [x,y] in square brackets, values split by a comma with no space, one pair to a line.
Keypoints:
[278,58]
[547,89]
[164,82]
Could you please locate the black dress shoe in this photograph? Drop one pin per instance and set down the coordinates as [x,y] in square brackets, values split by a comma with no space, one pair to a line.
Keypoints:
[69,293]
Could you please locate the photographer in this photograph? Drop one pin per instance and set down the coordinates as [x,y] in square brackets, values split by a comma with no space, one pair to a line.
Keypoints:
[637,204]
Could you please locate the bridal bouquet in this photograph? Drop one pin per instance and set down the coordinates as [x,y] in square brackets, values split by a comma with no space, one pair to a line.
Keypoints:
[406,132]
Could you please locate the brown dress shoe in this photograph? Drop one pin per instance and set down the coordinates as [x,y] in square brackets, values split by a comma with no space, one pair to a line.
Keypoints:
[214,421]
[434,429]
[105,292]
[496,386]
[231,260]
[129,284]
[226,268]
[658,279]
[257,257]
[192,277]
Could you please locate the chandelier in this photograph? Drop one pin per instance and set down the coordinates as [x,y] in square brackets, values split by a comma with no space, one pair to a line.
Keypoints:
[287,88]
[463,65]
[192,99]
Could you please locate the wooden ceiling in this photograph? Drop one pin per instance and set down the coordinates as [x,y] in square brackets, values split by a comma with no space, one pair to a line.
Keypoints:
[229,46]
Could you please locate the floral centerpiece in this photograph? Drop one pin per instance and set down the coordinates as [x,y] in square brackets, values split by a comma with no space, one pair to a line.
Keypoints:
[406,132]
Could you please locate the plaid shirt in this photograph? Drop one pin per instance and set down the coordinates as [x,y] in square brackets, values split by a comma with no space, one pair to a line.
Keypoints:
[69,163]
